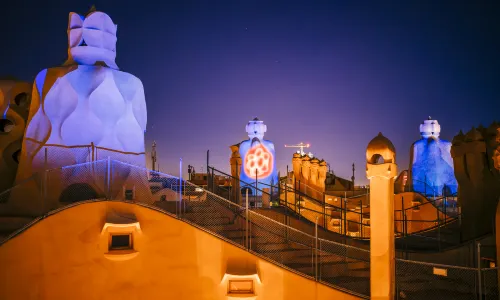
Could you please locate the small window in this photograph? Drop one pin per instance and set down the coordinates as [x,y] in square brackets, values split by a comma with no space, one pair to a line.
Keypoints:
[120,242]
[240,287]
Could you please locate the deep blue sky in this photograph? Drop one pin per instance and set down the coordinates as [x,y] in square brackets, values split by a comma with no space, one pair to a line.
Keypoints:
[324,72]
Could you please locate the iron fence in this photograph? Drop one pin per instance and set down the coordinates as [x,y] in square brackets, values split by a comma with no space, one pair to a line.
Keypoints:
[344,266]
[349,216]
[335,264]
[489,281]
[420,280]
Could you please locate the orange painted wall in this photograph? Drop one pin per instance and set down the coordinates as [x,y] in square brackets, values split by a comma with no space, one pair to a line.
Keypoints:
[62,257]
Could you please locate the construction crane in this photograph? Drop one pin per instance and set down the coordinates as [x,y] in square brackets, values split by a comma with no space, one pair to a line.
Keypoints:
[301,146]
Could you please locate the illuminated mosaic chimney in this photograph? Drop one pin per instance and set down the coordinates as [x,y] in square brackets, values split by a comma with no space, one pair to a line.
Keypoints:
[15,97]
[85,110]
[431,162]
[258,161]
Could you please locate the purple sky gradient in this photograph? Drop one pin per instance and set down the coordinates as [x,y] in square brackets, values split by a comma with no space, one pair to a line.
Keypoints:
[329,74]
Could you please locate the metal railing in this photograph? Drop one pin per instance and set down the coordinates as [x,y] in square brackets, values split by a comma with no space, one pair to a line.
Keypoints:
[258,234]
[419,280]
[350,216]
[341,266]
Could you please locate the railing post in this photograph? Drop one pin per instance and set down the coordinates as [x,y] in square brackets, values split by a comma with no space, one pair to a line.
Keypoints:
[247,221]
[480,284]
[255,195]
[361,217]
[324,211]
[445,204]
[439,230]
[180,186]
[316,249]
[341,215]
[403,220]
[345,213]
[286,197]
[44,180]
[213,183]
[46,155]
[44,190]
[108,179]
[295,192]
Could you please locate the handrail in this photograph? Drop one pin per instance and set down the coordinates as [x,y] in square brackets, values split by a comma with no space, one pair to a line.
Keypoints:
[222,201]
[90,146]
[246,183]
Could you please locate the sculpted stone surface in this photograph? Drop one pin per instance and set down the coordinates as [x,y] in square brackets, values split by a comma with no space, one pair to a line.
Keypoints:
[431,170]
[84,111]
[85,102]
[91,39]
[381,169]
[476,160]
[15,97]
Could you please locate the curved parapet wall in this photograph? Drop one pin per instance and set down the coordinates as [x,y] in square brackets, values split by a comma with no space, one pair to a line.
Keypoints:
[15,97]
[431,170]
[476,159]
[167,259]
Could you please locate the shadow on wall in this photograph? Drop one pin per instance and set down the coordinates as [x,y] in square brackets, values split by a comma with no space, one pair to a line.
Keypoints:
[77,192]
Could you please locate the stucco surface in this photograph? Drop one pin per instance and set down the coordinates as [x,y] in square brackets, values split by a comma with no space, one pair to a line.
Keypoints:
[62,257]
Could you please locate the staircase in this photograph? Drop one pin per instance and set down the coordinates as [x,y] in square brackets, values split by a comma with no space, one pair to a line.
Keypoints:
[341,266]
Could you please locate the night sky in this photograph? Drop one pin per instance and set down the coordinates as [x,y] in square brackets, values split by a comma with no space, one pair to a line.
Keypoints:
[322,72]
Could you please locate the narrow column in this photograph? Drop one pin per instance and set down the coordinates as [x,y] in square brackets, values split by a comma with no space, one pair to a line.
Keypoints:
[381,171]
[235,162]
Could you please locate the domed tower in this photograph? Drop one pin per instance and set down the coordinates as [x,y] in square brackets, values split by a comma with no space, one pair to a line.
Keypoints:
[431,166]
[381,170]
[85,110]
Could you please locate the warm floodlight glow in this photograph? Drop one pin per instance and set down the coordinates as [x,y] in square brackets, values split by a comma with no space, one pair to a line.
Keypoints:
[134,225]
[440,271]
[228,276]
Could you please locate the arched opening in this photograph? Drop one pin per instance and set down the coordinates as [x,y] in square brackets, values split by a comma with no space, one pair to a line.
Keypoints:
[16,155]
[377,159]
[77,192]
[6,125]
[22,99]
